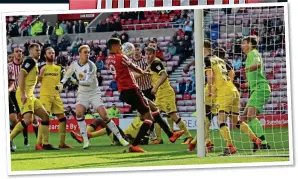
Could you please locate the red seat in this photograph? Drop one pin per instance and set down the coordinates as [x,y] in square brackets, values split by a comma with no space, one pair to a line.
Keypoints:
[162,26]
[139,27]
[109,93]
[131,27]
[128,22]
[153,26]
[147,26]
[245,95]
[187,97]
[136,21]
[144,21]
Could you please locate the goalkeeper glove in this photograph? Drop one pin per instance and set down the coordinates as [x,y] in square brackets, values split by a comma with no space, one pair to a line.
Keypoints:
[74,81]
[59,87]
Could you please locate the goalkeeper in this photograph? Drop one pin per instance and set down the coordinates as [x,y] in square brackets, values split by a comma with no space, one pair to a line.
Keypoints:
[259,88]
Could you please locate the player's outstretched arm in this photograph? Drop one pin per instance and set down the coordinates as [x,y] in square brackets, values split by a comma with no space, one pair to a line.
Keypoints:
[252,63]
[68,73]
[126,61]
[187,67]
[253,67]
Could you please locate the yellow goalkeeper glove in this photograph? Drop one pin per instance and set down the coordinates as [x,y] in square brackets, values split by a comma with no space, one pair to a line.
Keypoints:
[59,87]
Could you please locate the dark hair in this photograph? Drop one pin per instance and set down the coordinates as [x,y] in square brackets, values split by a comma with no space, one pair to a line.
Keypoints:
[32,45]
[113,41]
[137,45]
[151,50]
[152,41]
[207,44]
[251,39]
[220,52]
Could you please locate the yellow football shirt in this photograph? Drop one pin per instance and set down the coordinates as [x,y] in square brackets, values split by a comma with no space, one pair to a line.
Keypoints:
[51,75]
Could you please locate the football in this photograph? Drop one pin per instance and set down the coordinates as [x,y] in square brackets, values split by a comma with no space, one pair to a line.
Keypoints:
[128,49]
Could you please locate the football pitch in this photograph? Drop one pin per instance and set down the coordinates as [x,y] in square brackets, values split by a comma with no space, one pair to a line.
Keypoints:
[103,155]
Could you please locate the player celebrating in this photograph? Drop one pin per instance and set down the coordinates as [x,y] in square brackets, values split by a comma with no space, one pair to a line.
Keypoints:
[27,102]
[259,88]
[50,76]
[13,72]
[88,92]
[121,67]
[164,93]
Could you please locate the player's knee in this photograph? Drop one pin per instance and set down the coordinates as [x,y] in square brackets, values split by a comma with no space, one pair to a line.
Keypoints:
[238,124]
[45,123]
[222,124]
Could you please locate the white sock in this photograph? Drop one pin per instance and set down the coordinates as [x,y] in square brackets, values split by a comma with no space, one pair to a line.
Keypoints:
[112,126]
[83,128]
[153,135]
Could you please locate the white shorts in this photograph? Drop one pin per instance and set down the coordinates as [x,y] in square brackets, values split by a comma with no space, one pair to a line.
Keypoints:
[91,98]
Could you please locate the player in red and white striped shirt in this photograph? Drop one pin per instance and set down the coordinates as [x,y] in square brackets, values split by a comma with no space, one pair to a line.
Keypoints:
[13,72]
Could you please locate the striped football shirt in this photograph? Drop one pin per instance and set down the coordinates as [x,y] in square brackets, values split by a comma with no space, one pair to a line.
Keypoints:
[13,73]
[144,82]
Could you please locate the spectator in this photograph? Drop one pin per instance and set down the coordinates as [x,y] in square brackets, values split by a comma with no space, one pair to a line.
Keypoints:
[123,39]
[254,31]
[101,56]
[180,32]
[14,30]
[75,46]
[141,15]
[115,35]
[26,46]
[113,85]
[180,50]
[181,20]
[142,43]
[126,37]
[188,46]
[100,27]
[69,113]
[99,65]
[54,39]
[172,49]
[167,55]
[64,27]
[189,87]
[188,27]
[113,112]
[82,26]
[99,78]
[96,49]
[62,60]
[159,53]
[117,25]
[76,27]
[237,63]
[44,27]
[181,87]
[109,26]
[69,27]
[92,56]
[62,46]
[58,30]
[9,46]
[50,29]
[26,31]
[178,40]
[36,28]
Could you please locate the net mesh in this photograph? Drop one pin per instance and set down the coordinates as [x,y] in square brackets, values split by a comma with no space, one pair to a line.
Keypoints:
[225,28]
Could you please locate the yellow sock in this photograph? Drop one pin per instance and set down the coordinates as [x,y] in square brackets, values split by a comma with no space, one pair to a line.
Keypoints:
[157,131]
[16,130]
[225,133]
[171,123]
[182,126]
[100,132]
[62,129]
[194,141]
[45,131]
[244,128]
[90,129]
[39,136]
[207,130]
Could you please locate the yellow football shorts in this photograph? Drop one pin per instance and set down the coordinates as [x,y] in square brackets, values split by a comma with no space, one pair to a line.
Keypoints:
[52,104]
[211,100]
[166,101]
[228,101]
[30,105]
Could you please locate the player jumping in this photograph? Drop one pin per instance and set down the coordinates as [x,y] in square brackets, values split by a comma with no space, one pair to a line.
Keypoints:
[88,93]
[27,102]
[259,89]
[121,67]
[50,76]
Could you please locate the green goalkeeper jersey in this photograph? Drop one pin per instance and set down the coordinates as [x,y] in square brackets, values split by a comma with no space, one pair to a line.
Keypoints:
[258,76]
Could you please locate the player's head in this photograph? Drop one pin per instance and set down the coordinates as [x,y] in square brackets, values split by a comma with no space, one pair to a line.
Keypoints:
[34,51]
[10,58]
[207,47]
[138,51]
[17,53]
[114,45]
[114,106]
[249,43]
[151,54]
[49,54]
[220,52]
[84,52]
[152,44]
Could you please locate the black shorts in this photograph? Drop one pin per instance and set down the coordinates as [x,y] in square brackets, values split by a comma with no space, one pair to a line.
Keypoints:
[12,95]
[136,99]
[12,108]
[148,94]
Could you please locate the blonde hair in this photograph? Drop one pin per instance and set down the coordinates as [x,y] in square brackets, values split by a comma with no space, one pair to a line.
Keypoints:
[84,47]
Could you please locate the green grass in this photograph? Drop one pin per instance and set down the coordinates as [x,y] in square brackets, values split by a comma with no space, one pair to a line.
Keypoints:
[102,155]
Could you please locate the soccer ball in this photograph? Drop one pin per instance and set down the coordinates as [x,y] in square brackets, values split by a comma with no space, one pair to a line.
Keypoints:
[128,49]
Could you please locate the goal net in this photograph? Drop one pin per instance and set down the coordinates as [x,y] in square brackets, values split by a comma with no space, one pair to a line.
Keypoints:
[225,28]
